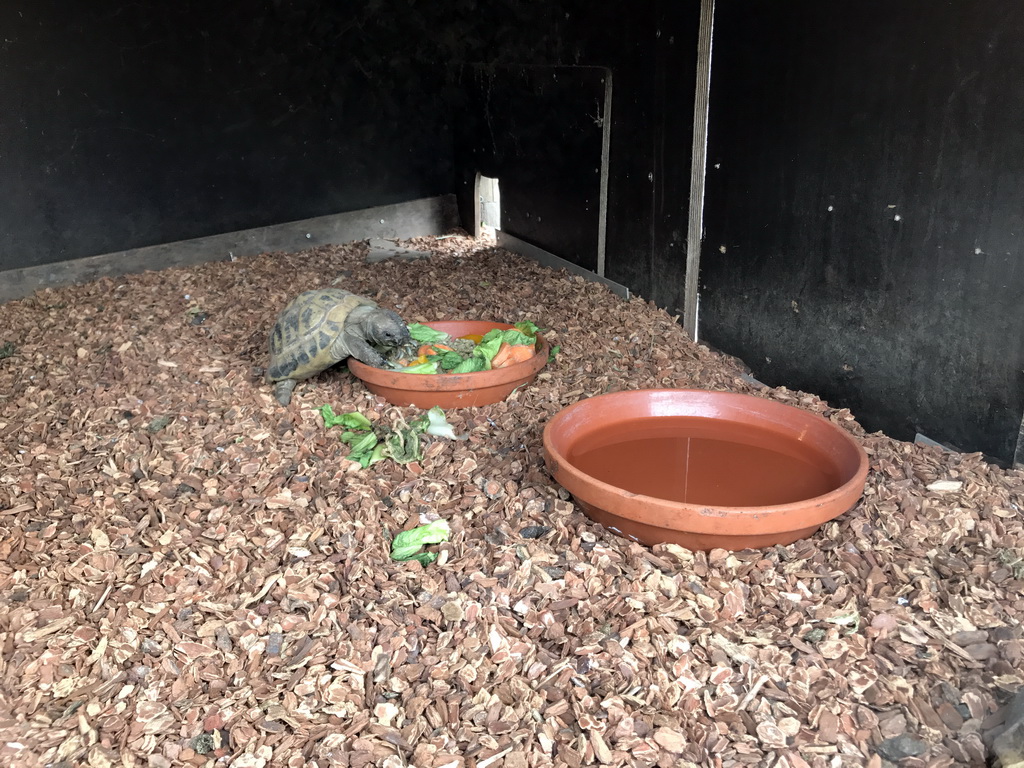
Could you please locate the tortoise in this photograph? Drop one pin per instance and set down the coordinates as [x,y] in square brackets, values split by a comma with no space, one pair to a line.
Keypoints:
[322,327]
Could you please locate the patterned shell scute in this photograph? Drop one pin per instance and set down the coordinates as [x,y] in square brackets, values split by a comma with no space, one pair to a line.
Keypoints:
[300,342]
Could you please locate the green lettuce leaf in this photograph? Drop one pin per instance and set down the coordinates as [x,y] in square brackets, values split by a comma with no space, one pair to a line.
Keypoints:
[362,447]
[530,329]
[428,367]
[407,545]
[449,360]
[488,347]
[424,334]
[351,420]
[359,441]
[471,364]
[514,338]
[378,453]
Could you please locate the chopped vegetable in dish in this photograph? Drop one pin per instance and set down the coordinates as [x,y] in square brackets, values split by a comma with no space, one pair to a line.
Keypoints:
[437,352]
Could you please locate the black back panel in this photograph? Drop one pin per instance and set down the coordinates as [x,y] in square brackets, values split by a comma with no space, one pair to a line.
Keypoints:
[130,124]
[865,209]
[538,130]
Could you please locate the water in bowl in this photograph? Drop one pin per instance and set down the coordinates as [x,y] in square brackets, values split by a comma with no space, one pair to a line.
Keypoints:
[706,461]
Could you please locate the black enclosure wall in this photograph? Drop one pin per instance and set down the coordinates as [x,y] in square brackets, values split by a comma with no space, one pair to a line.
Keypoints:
[865,209]
[134,124]
[125,124]
[513,125]
[865,187]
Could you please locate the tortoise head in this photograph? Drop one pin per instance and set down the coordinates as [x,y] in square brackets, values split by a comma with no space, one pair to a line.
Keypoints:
[385,328]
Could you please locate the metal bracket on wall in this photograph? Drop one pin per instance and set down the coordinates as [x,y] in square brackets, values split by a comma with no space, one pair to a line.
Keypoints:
[698,167]
[512,243]
[1018,455]
[606,144]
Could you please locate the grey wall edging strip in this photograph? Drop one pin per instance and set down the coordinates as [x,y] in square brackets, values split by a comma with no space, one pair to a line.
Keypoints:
[513,243]
[425,216]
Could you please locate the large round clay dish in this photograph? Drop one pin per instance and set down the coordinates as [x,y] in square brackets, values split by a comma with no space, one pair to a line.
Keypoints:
[654,518]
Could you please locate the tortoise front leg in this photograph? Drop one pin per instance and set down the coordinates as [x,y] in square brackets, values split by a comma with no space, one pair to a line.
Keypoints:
[361,350]
[283,390]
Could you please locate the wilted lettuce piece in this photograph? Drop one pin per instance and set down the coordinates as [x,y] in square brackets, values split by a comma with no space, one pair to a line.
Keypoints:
[407,545]
[351,420]
[403,445]
[424,334]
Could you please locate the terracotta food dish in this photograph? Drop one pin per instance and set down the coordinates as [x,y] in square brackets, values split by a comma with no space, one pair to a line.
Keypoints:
[453,390]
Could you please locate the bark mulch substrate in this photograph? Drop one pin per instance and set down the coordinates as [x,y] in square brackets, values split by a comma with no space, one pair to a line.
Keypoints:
[191,574]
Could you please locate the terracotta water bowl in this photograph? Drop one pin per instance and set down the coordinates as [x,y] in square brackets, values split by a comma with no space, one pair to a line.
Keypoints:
[453,390]
[702,469]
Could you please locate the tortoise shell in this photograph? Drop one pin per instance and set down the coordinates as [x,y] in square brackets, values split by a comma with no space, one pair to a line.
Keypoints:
[302,339]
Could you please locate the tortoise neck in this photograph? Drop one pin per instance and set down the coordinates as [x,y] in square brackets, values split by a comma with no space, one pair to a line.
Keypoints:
[358,321]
